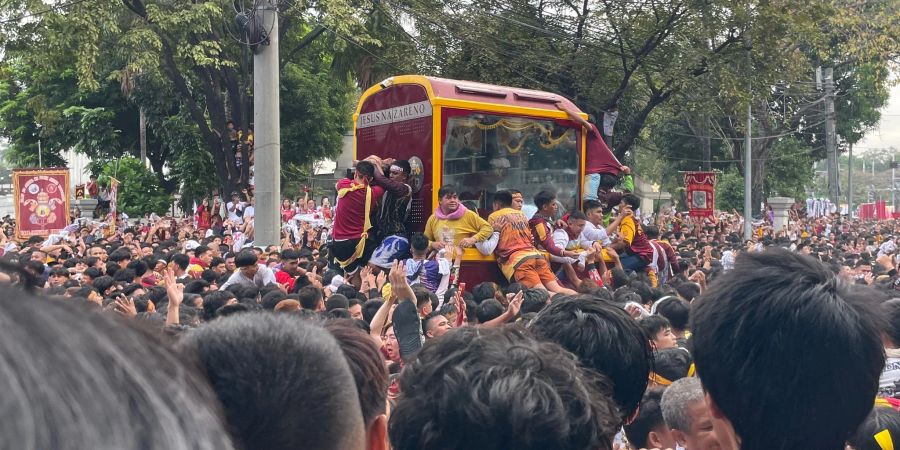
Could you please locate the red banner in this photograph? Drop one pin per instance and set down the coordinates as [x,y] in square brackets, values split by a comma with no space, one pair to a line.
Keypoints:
[701,188]
[42,201]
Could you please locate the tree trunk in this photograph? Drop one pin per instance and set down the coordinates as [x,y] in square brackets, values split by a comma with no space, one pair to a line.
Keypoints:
[626,140]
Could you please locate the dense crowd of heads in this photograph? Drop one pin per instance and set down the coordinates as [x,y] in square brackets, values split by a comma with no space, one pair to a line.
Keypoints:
[180,337]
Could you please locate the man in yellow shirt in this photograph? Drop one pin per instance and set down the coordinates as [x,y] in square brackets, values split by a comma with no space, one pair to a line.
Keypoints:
[452,224]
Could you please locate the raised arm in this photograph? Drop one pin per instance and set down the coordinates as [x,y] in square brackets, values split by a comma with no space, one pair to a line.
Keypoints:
[573,114]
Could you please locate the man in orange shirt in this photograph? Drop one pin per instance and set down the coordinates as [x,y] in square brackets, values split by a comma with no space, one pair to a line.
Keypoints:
[519,260]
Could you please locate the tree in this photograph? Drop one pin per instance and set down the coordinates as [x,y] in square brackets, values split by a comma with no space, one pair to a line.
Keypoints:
[173,57]
[139,191]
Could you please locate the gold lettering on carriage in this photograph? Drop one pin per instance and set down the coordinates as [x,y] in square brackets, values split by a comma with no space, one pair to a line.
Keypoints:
[394,115]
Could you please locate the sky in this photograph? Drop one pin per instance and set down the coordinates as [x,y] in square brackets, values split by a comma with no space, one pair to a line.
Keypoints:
[887,134]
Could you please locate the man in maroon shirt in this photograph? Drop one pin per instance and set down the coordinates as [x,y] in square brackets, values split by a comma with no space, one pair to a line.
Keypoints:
[357,201]
[601,168]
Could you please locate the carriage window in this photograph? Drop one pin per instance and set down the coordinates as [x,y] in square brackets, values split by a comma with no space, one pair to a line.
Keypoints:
[484,154]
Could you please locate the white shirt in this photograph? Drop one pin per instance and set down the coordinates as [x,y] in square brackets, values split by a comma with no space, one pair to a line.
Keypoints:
[249,211]
[263,277]
[232,215]
[562,240]
[887,384]
[594,233]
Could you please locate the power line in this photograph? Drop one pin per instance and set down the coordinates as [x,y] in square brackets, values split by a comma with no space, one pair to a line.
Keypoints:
[481,46]
[362,47]
[44,11]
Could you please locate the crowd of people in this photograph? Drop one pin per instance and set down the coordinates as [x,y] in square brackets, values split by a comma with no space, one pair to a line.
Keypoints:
[613,329]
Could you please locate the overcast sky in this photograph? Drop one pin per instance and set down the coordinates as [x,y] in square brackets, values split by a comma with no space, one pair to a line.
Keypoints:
[887,134]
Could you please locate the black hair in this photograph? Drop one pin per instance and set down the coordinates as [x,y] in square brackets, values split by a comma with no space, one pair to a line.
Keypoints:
[644,290]
[338,313]
[214,300]
[231,309]
[590,205]
[759,333]
[484,291]
[181,260]
[632,200]
[199,250]
[890,310]
[424,297]
[676,310]
[534,300]
[541,199]
[504,198]
[370,307]
[131,288]
[271,299]
[488,310]
[125,276]
[606,339]
[652,325]
[577,215]
[245,259]
[262,410]
[119,255]
[445,190]
[347,290]
[125,384]
[649,418]
[418,242]
[309,297]
[619,277]
[474,378]
[881,419]
[337,301]
[608,181]
[102,284]
[651,231]
[59,272]
[672,363]
[366,169]
[139,267]
[209,276]
[688,291]
[366,364]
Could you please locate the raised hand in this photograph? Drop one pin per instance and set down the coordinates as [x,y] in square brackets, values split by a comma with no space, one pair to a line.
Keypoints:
[380,280]
[125,306]
[174,289]
[515,304]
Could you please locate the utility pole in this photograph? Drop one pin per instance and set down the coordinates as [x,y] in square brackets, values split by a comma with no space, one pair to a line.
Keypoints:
[850,181]
[40,163]
[834,187]
[267,129]
[748,194]
[893,183]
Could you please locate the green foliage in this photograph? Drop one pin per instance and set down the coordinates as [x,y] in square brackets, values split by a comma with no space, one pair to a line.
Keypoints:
[789,170]
[193,165]
[139,190]
[730,191]
[316,110]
